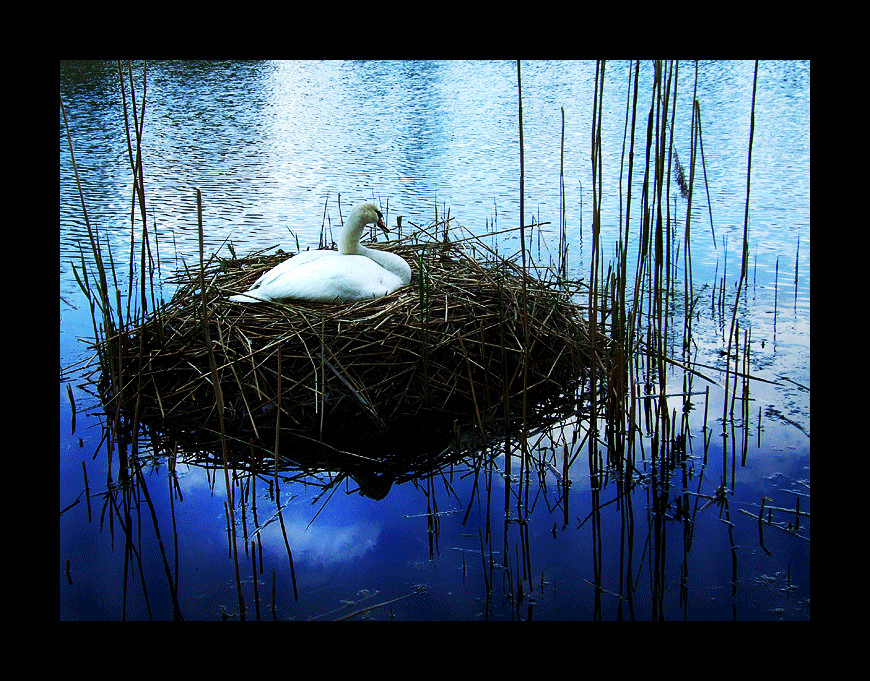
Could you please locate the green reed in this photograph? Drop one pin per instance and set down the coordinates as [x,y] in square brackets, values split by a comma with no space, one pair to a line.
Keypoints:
[733,336]
[639,301]
[113,321]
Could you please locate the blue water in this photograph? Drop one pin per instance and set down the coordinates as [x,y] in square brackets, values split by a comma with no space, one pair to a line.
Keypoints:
[272,146]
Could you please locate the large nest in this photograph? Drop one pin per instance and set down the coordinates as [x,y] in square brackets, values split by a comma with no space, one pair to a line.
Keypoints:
[450,346]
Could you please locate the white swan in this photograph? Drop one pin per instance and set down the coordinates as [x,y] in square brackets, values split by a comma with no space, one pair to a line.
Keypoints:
[352,273]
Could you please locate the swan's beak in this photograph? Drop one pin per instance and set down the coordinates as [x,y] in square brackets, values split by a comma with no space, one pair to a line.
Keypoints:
[382,225]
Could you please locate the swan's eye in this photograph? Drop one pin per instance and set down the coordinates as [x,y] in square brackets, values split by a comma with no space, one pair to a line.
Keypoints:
[380,215]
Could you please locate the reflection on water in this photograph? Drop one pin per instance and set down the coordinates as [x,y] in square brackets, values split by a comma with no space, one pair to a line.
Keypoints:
[660,543]
[272,146]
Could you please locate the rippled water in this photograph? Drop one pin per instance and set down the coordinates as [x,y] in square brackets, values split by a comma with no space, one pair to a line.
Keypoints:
[269,143]
[272,145]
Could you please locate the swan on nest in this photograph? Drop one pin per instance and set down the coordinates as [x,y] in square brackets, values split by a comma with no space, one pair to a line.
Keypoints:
[350,274]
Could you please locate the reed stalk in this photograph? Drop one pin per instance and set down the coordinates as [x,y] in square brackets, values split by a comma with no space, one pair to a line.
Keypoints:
[102,301]
[797,257]
[594,287]
[697,116]
[87,489]
[689,288]
[524,290]
[255,579]
[219,400]
[563,239]
[732,338]
[176,609]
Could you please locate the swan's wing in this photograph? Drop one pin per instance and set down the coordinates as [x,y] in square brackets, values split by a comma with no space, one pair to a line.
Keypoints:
[292,263]
[246,298]
[392,262]
[364,280]
[345,279]
[326,276]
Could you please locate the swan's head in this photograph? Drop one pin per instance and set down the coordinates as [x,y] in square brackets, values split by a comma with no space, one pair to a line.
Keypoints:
[366,214]
[362,215]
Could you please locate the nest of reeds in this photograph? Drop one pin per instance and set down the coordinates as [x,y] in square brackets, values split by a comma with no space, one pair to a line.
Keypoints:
[456,344]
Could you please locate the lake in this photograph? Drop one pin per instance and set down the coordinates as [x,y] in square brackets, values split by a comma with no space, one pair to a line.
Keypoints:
[280,151]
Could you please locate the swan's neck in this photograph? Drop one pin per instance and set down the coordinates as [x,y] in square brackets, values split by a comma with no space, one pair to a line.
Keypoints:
[348,244]
[348,241]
